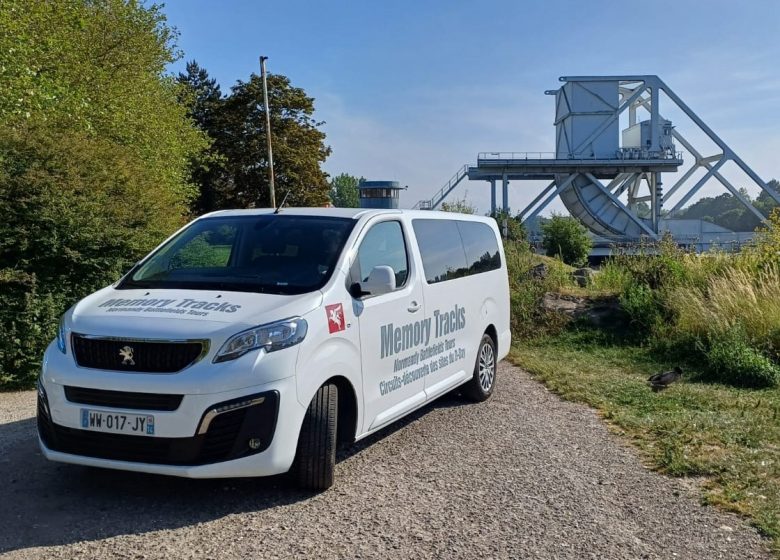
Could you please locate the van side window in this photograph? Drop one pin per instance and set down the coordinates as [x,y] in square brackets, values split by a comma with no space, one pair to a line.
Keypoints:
[441,249]
[481,247]
[453,248]
[384,245]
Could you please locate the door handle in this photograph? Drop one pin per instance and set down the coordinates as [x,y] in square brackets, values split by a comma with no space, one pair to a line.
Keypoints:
[413,307]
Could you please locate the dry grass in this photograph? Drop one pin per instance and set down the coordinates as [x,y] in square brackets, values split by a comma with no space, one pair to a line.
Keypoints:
[735,298]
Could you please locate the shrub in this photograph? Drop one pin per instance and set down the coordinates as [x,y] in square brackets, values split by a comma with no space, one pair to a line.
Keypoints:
[461,205]
[28,321]
[733,361]
[77,212]
[564,237]
[528,318]
[611,278]
[655,264]
[643,306]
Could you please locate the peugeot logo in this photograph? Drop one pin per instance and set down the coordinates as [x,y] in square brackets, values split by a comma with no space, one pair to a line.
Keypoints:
[126,353]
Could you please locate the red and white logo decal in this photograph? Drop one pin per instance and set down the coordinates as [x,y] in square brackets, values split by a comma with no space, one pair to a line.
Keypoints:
[336,321]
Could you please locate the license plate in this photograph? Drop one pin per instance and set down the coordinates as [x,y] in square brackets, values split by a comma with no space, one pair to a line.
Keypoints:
[117,423]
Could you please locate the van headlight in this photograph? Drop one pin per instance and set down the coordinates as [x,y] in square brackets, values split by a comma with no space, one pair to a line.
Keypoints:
[61,335]
[272,337]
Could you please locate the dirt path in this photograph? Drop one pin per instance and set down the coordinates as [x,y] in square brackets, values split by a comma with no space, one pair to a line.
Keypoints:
[523,475]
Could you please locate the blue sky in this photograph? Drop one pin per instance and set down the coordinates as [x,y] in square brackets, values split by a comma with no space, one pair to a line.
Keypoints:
[411,91]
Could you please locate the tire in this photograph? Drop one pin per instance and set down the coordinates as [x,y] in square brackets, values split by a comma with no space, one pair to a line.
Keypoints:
[315,458]
[484,381]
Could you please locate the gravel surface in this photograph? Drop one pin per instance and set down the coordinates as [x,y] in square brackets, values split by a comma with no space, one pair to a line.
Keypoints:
[522,475]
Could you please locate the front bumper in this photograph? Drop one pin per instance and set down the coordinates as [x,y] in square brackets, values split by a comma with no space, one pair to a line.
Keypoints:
[222,450]
[230,434]
[259,439]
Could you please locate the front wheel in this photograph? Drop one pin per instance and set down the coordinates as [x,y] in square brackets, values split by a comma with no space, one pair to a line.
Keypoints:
[315,458]
[484,380]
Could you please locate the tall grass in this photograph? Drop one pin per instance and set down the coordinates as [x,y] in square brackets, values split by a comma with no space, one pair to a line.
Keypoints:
[719,309]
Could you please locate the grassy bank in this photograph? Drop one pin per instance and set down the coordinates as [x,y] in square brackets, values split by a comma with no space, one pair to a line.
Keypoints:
[729,435]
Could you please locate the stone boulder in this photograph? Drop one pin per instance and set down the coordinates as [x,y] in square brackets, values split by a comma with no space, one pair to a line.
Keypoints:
[583,276]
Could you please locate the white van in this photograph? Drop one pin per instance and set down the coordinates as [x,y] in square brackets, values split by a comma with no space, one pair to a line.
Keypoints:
[251,343]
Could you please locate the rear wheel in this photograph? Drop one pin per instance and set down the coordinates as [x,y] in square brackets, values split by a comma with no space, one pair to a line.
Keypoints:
[315,459]
[484,380]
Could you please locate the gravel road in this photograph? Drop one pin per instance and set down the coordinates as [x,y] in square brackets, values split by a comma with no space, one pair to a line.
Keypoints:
[522,475]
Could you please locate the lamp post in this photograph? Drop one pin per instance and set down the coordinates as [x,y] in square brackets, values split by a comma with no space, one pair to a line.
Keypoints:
[271,190]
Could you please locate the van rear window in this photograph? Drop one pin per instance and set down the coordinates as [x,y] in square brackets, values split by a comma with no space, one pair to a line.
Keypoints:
[455,248]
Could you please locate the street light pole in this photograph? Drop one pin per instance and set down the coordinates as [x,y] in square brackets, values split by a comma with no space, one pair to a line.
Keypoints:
[271,189]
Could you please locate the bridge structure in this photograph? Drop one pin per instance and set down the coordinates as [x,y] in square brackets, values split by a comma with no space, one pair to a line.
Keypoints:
[608,178]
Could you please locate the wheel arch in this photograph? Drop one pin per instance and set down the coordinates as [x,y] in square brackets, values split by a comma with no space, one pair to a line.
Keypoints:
[347,409]
[491,331]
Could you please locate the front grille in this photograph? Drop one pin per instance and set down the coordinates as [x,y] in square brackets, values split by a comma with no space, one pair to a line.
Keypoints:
[227,438]
[134,355]
[123,399]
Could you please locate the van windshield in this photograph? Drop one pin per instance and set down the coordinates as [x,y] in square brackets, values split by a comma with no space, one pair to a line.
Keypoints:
[269,253]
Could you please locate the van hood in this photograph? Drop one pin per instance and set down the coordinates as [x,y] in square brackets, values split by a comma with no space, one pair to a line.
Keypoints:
[181,314]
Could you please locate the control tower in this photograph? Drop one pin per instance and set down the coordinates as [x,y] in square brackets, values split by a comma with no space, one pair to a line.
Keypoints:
[607,177]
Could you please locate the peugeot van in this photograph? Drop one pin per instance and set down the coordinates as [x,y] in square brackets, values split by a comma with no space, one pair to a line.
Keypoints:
[253,342]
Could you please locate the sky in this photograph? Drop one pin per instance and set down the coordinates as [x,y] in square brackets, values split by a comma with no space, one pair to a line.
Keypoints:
[412,90]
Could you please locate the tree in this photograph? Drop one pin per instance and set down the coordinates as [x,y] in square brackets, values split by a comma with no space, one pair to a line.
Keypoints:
[727,211]
[344,192]
[94,153]
[203,98]
[235,174]
[98,67]
[514,229]
[566,238]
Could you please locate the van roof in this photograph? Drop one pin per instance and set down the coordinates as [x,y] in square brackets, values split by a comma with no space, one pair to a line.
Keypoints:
[354,213]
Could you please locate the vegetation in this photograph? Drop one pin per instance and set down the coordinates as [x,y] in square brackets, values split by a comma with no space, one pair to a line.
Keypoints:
[514,229]
[233,172]
[727,211]
[94,153]
[566,238]
[462,206]
[344,191]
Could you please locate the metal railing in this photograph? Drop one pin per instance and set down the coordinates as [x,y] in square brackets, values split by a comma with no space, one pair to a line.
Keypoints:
[442,193]
[621,154]
[516,155]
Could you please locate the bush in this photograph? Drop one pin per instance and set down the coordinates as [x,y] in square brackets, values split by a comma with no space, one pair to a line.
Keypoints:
[28,321]
[733,361]
[656,265]
[564,237]
[77,212]
[527,318]
[642,305]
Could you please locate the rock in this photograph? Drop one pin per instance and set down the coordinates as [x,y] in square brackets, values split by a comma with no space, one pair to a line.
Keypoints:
[539,272]
[582,276]
[601,312]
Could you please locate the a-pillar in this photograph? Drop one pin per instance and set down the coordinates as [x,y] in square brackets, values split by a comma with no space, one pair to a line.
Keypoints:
[505,194]
[493,197]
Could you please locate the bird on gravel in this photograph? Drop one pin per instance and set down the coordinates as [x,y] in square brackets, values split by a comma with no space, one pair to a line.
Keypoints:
[661,381]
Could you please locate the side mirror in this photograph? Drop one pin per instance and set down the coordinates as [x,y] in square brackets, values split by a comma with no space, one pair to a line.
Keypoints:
[381,280]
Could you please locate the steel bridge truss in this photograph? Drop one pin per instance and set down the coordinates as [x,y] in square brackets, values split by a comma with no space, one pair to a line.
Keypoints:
[593,186]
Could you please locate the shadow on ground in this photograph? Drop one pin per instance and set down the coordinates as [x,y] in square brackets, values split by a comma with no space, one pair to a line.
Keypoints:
[47,504]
